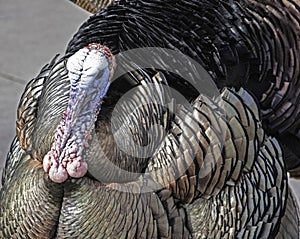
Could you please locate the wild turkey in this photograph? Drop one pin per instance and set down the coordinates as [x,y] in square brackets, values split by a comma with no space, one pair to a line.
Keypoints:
[176,192]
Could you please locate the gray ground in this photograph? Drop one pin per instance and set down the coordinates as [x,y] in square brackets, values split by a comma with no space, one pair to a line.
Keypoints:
[31,33]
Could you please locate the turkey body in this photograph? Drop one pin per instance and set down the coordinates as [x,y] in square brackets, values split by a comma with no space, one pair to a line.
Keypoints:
[217,172]
[240,43]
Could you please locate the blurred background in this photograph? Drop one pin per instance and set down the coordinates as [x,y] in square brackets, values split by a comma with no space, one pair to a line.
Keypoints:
[32,32]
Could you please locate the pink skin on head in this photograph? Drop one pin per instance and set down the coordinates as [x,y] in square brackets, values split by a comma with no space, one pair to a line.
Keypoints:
[90,70]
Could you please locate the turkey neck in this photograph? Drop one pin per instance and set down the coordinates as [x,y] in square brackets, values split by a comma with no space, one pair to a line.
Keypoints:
[89,71]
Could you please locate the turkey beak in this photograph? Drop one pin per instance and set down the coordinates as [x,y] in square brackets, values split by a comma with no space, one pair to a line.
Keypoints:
[90,72]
